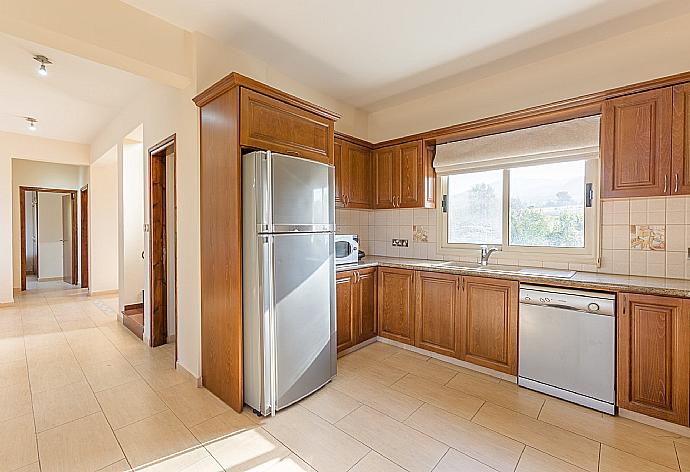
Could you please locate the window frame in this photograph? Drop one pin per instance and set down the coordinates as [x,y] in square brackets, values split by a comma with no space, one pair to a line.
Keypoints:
[589,254]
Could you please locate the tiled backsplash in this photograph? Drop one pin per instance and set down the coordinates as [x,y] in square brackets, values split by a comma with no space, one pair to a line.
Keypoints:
[640,236]
[646,236]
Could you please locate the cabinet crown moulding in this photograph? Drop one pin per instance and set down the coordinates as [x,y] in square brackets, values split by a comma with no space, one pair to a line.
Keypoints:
[235,79]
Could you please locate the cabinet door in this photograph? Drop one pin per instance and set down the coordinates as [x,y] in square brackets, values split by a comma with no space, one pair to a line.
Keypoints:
[342,171]
[396,304]
[366,303]
[411,176]
[361,168]
[489,323]
[344,297]
[384,167]
[274,125]
[654,356]
[436,312]
[680,181]
[636,144]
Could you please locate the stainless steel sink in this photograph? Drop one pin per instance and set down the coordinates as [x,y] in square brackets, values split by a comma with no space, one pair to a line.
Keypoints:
[507,269]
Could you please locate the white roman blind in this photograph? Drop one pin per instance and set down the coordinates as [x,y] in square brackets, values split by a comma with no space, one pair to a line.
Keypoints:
[556,142]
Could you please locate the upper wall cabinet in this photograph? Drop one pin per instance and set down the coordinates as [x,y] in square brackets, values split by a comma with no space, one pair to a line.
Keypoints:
[645,147]
[353,175]
[681,140]
[404,176]
[268,123]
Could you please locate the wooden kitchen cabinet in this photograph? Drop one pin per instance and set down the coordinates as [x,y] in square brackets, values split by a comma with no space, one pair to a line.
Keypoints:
[636,144]
[366,309]
[238,114]
[680,155]
[355,293]
[344,308]
[396,293]
[437,312]
[272,124]
[489,323]
[404,176]
[353,175]
[653,358]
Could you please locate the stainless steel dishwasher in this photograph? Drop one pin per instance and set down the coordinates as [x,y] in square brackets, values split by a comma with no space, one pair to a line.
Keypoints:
[567,345]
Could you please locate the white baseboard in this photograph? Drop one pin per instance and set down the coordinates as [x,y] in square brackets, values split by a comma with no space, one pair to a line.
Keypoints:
[50,279]
[450,360]
[102,293]
[180,367]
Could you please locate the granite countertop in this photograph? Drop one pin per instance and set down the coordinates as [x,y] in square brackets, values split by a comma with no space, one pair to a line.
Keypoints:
[587,280]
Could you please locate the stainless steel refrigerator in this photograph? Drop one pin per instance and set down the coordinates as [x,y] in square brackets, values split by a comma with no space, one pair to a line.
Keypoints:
[288,279]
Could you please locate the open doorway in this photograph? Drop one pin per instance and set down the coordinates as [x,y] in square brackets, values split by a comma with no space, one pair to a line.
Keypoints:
[163,243]
[84,233]
[48,235]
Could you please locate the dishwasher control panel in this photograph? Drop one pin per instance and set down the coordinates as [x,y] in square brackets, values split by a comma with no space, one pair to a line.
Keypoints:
[577,300]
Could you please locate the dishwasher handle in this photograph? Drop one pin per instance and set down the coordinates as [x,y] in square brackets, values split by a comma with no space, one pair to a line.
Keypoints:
[565,307]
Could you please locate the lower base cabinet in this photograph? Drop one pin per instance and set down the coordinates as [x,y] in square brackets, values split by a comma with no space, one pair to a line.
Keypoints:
[356,293]
[437,312]
[396,304]
[653,358]
[489,323]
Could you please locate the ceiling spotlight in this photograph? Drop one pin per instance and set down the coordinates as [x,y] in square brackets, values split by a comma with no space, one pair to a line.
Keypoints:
[31,123]
[43,61]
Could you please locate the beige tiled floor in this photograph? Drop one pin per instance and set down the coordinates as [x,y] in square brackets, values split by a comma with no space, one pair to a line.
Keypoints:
[78,392]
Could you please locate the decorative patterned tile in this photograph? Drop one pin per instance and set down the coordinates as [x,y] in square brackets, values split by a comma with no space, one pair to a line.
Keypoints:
[648,237]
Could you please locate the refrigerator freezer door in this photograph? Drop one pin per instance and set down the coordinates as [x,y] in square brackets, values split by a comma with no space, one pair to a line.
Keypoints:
[304,345]
[296,194]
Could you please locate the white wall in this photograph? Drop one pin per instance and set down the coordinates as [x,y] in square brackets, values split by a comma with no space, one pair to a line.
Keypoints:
[50,246]
[103,228]
[131,231]
[30,173]
[643,54]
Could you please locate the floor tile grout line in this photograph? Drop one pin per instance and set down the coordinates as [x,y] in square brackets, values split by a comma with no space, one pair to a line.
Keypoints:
[532,446]
[517,464]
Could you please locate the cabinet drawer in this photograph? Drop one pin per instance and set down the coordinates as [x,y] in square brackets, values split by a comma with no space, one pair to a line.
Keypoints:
[267,123]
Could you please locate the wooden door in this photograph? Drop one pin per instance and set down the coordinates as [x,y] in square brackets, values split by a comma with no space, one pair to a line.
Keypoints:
[69,239]
[437,312]
[84,246]
[367,293]
[396,304]
[158,250]
[345,304]
[360,162]
[342,172]
[386,183]
[680,167]
[636,144]
[654,356]
[410,173]
[489,323]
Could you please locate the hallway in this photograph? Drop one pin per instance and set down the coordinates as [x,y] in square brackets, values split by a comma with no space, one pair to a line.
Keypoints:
[80,392]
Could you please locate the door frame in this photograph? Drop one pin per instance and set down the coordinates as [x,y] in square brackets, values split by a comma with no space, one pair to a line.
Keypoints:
[84,232]
[22,229]
[162,150]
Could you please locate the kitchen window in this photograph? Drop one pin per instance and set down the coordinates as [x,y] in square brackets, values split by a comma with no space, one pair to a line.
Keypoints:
[532,193]
[541,211]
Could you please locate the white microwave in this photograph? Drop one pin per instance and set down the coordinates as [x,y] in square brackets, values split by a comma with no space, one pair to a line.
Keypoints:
[346,248]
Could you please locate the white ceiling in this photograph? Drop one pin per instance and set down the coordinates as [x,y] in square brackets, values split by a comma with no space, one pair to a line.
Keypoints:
[72,103]
[367,52]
